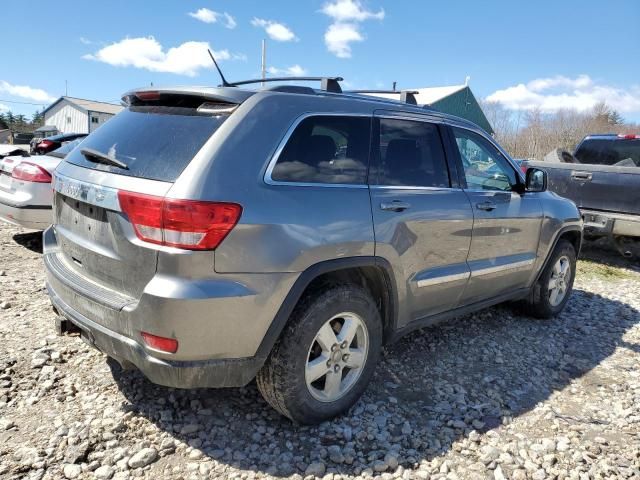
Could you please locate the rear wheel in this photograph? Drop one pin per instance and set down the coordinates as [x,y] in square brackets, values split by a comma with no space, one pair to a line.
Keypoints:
[325,357]
[552,291]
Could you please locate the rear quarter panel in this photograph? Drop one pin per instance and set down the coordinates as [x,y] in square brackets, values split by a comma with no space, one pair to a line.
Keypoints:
[283,228]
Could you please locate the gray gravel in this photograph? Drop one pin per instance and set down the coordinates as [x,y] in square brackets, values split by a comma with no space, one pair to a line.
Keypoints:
[492,395]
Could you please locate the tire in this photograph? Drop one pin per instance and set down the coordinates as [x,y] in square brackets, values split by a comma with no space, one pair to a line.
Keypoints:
[542,303]
[283,379]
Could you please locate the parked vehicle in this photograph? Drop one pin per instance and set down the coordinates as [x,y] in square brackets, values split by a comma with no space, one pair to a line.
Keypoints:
[9,150]
[25,187]
[603,178]
[50,144]
[208,236]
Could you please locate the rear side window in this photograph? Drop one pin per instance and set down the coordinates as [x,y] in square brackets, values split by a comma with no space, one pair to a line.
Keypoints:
[618,153]
[411,154]
[326,149]
[154,142]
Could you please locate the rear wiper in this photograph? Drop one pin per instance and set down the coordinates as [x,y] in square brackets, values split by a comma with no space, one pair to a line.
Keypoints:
[99,157]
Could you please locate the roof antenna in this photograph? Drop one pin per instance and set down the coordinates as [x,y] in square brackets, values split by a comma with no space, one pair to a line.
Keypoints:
[224,80]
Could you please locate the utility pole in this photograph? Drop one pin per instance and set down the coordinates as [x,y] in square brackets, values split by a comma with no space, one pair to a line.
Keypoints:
[264,60]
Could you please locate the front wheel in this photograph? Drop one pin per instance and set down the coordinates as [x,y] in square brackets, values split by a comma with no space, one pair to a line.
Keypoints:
[552,291]
[325,357]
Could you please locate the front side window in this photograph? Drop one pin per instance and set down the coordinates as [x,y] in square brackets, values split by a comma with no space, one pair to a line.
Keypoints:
[484,167]
[326,149]
[411,154]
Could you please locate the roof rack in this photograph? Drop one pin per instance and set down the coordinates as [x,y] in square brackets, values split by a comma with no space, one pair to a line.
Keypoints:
[329,84]
[406,96]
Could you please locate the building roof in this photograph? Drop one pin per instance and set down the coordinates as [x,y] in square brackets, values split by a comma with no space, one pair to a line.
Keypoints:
[89,105]
[455,99]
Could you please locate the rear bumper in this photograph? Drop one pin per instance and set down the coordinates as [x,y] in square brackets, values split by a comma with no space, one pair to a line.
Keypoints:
[18,208]
[235,372]
[599,223]
[37,218]
[219,321]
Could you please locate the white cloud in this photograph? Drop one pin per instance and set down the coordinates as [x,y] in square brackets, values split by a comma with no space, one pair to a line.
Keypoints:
[205,15]
[147,53]
[4,108]
[85,41]
[209,16]
[345,29]
[230,22]
[294,71]
[350,11]
[559,92]
[276,31]
[25,91]
[339,36]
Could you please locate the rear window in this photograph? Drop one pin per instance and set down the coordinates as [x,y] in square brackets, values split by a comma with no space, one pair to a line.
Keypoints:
[602,151]
[64,150]
[326,149]
[154,142]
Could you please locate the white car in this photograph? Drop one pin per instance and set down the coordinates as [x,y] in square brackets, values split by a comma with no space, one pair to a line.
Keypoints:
[25,187]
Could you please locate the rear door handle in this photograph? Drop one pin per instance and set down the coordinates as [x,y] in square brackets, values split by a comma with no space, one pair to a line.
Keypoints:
[581,176]
[488,206]
[395,206]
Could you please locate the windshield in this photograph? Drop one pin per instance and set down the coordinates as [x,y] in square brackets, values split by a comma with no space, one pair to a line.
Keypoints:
[66,148]
[154,142]
[613,152]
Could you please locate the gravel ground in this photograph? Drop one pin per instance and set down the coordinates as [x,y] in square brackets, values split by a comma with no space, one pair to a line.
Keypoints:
[492,395]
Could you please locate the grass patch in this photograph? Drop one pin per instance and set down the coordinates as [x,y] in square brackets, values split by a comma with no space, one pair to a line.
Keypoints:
[602,271]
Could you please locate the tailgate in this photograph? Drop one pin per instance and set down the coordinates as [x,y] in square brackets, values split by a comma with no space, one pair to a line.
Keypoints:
[95,240]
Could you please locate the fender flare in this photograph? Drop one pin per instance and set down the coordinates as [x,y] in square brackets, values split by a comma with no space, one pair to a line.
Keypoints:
[309,275]
[559,234]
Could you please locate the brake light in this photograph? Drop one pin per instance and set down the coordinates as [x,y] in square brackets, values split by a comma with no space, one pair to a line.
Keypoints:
[187,224]
[169,345]
[148,96]
[629,136]
[45,144]
[29,172]
[523,169]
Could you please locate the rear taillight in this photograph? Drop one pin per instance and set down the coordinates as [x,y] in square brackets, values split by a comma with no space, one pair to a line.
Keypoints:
[29,172]
[44,144]
[164,344]
[523,169]
[187,224]
[629,136]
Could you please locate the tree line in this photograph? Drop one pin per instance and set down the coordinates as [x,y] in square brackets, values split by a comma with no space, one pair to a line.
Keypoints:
[532,134]
[21,123]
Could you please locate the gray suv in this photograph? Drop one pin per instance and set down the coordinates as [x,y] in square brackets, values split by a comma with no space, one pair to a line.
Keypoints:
[210,236]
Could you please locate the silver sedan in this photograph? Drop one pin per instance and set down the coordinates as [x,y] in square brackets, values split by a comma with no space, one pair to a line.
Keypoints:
[25,187]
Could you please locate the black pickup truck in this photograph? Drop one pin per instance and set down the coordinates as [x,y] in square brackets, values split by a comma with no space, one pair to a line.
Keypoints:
[603,178]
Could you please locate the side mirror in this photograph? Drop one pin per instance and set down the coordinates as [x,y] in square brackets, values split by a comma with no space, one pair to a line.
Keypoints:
[536,180]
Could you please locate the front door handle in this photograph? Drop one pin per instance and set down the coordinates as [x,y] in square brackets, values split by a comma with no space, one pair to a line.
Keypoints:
[395,206]
[581,176]
[488,206]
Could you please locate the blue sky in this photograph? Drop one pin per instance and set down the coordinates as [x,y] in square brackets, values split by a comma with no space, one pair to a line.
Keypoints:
[546,54]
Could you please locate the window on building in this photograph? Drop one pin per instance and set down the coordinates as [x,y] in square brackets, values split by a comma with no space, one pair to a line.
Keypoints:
[326,149]
[411,154]
[68,119]
[95,120]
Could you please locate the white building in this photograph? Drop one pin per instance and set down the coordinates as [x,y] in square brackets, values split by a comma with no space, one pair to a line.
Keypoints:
[76,115]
